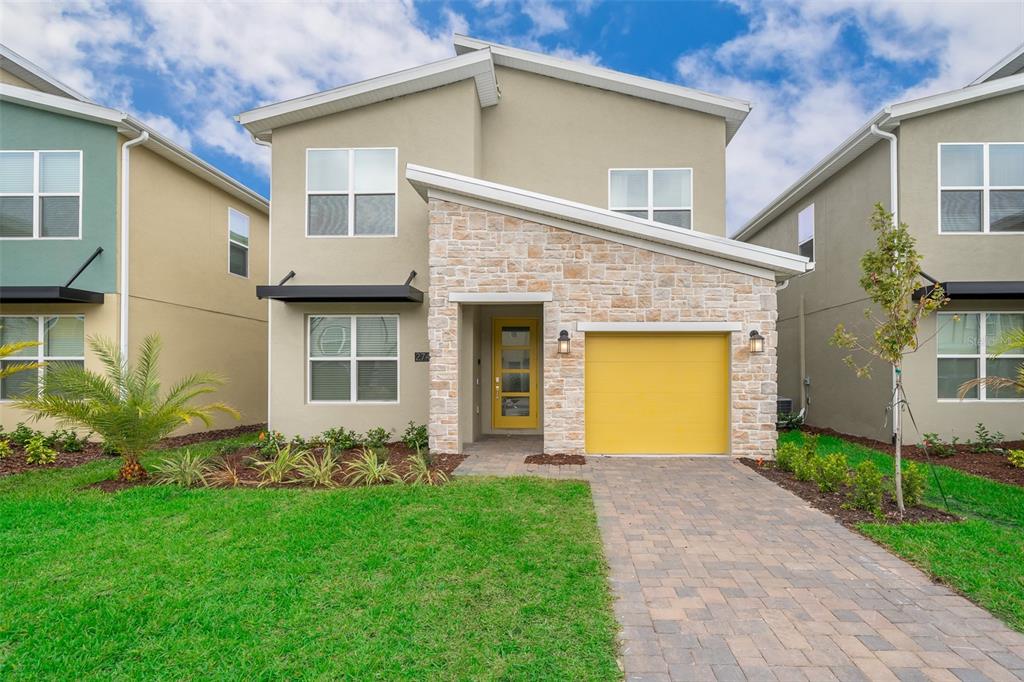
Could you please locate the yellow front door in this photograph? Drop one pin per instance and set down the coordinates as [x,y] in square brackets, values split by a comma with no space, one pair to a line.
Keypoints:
[657,393]
[514,379]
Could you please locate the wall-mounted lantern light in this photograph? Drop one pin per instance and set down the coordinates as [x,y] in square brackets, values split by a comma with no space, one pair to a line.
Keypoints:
[563,342]
[756,342]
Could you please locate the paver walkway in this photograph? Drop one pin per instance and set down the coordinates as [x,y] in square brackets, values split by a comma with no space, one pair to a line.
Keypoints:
[720,574]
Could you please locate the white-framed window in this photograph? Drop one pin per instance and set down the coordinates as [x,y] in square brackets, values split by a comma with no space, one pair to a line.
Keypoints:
[351,192]
[964,343]
[805,232]
[40,194]
[63,341]
[664,195]
[238,243]
[981,187]
[352,358]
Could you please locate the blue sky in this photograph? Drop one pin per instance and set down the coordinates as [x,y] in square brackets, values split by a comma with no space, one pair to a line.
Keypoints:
[814,70]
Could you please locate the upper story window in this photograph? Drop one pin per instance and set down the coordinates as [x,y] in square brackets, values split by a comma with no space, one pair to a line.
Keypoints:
[40,194]
[351,192]
[61,340]
[238,243]
[805,232]
[664,195]
[981,187]
[965,343]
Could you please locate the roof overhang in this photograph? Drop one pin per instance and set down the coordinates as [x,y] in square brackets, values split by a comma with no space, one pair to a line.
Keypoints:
[888,119]
[48,294]
[1007,66]
[734,111]
[477,65]
[341,293]
[34,75]
[63,105]
[961,291]
[605,224]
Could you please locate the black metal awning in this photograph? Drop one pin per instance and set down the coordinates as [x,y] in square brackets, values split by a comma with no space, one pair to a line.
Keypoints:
[341,293]
[48,294]
[976,290]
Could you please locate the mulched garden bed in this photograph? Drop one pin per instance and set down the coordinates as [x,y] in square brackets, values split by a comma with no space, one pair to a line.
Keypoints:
[16,464]
[248,476]
[832,503]
[557,460]
[990,465]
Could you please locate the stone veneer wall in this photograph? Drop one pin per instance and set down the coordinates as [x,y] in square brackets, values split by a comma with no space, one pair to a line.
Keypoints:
[591,280]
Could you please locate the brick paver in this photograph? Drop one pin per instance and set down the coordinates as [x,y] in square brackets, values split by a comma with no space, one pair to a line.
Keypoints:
[719,574]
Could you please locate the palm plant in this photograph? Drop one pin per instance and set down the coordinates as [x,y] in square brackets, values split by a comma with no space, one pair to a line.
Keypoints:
[7,367]
[1012,340]
[124,405]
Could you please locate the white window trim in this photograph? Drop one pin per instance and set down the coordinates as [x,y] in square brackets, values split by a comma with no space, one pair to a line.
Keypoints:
[650,207]
[350,193]
[231,241]
[40,355]
[982,356]
[37,195]
[814,230]
[985,188]
[352,359]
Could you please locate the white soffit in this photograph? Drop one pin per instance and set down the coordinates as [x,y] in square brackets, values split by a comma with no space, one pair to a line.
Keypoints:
[1007,66]
[734,111]
[60,104]
[478,66]
[36,76]
[602,223]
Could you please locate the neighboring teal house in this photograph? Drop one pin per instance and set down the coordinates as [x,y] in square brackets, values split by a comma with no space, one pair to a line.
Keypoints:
[108,228]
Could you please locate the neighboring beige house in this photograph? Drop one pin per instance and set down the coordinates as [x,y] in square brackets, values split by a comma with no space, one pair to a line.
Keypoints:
[508,243]
[197,244]
[959,184]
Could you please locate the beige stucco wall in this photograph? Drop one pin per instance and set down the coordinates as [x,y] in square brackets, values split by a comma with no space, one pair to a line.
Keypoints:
[180,287]
[957,257]
[831,295]
[590,280]
[560,138]
[100,320]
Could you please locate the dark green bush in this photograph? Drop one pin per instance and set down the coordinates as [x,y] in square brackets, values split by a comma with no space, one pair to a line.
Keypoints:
[339,438]
[415,436]
[914,484]
[377,438]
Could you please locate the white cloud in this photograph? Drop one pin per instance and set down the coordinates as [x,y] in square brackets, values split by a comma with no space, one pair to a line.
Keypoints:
[810,91]
[221,132]
[546,17]
[168,128]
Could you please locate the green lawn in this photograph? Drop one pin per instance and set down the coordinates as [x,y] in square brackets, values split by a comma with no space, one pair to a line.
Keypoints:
[981,556]
[479,579]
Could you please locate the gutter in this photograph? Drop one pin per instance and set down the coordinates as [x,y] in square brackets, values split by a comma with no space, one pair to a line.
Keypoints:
[125,260]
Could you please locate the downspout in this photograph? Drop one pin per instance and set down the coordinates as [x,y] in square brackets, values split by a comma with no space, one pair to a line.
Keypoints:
[270,303]
[894,208]
[125,260]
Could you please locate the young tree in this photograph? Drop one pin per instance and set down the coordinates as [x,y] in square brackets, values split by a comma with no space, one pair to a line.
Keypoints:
[891,274]
[124,405]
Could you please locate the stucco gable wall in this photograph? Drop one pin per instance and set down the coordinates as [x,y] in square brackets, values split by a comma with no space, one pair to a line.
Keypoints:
[591,280]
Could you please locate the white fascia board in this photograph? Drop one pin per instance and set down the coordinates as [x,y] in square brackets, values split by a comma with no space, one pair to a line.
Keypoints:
[734,111]
[955,98]
[602,222]
[34,74]
[500,297]
[478,66]
[183,158]
[1009,64]
[659,327]
[61,105]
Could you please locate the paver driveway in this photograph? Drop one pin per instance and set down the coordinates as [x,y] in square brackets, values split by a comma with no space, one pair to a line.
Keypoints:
[720,574]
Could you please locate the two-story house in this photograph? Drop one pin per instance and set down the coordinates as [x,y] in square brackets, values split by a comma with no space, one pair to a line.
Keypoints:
[951,166]
[508,243]
[108,228]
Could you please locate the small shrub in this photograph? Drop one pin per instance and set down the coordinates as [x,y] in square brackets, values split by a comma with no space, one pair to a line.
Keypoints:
[339,438]
[5,448]
[936,446]
[866,489]
[22,434]
[787,455]
[299,443]
[914,484]
[805,466]
[370,469]
[269,443]
[224,474]
[38,452]
[831,472]
[274,469]
[985,440]
[318,471]
[1016,458]
[377,438]
[416,437]
[420,472]
[185,470]
[789,421]
[109,450]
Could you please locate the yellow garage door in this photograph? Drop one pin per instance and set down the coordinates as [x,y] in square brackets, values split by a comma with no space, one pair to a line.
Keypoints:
[657,393]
